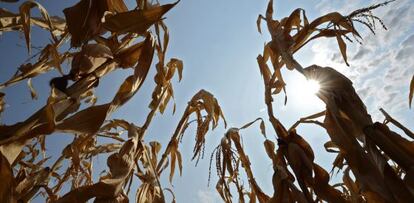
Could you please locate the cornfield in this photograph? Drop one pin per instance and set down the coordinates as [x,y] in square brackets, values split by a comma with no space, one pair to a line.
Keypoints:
[105,36]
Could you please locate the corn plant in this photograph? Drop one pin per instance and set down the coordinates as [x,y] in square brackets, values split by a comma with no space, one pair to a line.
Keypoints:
[104,37]
[379,159]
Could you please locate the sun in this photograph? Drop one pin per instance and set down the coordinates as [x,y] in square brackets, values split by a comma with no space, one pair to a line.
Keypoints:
[312,87]
[306,88]
[303,92]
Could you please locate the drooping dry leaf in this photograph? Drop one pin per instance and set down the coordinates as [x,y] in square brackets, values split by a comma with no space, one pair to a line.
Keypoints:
[165,100]
[87,121]
[132,84]
[114,124]
[331,146]
[28,187]
[322,188]
[25,17]
[7,179]
[258,22]
[262,126]
[390,119]
[88,59]
[129,57]
[342,47]
[15,136]
[33,93]
[175,156]
[301,166]
[46,62]
[232,136]
[399,149]
[120,165]
[10,21]
[362,167]
[203,100]
[136,21]
[173,65]
[293,20]
[84,18]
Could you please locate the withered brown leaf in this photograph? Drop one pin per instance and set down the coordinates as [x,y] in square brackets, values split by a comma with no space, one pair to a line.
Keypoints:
[25,17]
[136,21]
[84,18]
[8,182]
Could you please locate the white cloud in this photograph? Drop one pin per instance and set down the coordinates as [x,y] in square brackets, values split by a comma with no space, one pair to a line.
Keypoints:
[205,196]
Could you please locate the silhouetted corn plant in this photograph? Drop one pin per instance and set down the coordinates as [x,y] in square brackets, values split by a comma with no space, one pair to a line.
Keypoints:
[379,159]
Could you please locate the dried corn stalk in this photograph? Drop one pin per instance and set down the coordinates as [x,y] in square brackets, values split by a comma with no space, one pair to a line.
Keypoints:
[86,24]
[346,120]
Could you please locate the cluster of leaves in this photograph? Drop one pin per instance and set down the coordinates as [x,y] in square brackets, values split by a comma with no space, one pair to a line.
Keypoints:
[105,36]
[380,160]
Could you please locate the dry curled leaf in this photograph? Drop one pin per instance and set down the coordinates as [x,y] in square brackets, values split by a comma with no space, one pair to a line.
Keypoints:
[88,59]
[135,21]
[262,126]
[202,101]
[173,65]
[322,188]
[84,18]
[49,58]
[128,57]
[87,121]
[132,84]
[342,47]
[120,165]
[33,93]
[8,182]
[26,18]
[10,21]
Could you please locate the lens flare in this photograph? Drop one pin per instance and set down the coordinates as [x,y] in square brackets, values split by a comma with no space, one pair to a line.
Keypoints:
[303,93]
[312,86]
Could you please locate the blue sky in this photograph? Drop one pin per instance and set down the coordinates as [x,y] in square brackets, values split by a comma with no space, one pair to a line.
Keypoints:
[218,42]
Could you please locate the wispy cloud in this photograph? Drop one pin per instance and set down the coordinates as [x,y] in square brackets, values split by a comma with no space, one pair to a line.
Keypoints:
[205,196]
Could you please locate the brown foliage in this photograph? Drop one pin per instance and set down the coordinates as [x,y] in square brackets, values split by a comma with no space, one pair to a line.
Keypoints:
[98,56]
[380,160]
